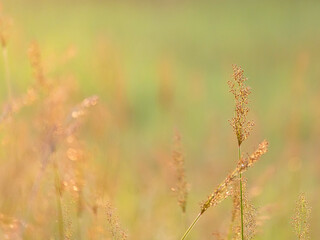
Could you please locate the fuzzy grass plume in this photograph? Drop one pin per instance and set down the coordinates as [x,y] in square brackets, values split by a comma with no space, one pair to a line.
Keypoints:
[240,124]
[250,215]
[301,219]
[116,231]
[181,187]
[225,188]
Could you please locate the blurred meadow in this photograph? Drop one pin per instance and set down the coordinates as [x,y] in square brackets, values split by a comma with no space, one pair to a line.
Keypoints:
[158,68]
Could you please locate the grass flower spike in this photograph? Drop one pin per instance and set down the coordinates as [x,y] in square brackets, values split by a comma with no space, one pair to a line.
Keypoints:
[240,124]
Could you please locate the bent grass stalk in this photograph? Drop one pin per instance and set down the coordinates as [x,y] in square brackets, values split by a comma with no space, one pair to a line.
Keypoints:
[191,226]
[224,190]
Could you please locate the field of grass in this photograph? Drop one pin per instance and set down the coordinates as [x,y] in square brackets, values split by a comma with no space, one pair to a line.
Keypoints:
[70,162]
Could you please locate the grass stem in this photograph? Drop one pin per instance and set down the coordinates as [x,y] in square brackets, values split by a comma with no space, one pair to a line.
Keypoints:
[241,201]
[191,226]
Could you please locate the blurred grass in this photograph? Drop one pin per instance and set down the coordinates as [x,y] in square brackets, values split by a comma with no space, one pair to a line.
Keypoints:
[277,44]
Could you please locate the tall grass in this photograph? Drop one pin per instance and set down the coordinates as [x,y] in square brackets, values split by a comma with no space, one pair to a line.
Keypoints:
[67,158]
[242,128]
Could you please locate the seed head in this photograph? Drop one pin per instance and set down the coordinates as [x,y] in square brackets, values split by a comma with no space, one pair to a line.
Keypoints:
[301,219]
[181,188]
[36,64]
[241,126]
[5,25]
[247,162]
[249,211]
[226,189]
[115,230]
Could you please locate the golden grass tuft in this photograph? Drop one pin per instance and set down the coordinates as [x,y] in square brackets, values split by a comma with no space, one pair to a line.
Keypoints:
[226,188]
[117,233]
[250,215]
[181,187]
[241,126]
[301,219]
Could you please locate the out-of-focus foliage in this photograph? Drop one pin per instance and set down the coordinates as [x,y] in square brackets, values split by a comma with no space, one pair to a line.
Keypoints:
[156,66]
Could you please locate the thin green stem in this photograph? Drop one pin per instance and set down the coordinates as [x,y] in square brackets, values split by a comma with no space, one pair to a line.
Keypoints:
[191,226]
[241,201]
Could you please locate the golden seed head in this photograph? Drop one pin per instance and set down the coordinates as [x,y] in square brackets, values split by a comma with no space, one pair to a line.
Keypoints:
[241,126]
[36,63]
[181,188]
[5,25]
[115,230]
[249,212]
[301,219]
[247,162]
[225,189]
